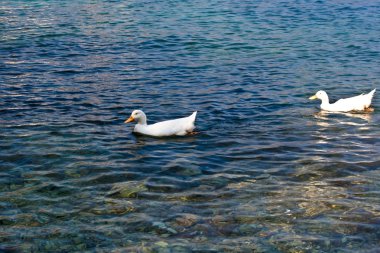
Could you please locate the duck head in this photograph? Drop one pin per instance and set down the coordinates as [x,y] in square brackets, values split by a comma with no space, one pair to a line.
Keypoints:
[322,95]
[137,115]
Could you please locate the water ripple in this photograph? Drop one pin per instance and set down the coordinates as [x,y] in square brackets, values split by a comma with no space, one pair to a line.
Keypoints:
[268,172]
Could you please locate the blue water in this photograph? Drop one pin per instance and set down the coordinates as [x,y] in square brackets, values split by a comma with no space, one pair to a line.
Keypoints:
[268,172]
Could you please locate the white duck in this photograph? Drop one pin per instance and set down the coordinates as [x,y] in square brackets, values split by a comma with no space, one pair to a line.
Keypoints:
[358,103]
[182,126]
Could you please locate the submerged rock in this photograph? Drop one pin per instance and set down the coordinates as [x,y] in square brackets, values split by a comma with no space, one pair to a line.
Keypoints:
[248,229]
[186,220]
[161,247]
[220,220]
[162,228]
[130,189]
[183,167]
[180,248]
[161,244]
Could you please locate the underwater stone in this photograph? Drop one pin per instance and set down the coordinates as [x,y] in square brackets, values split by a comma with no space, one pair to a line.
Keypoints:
[129,189]
[161,244]
[216,182]
[183,167]
[220,220]
[162,227]
[5,221]
[186,220]
[72,173]
[248,229]
[190,172]
[161,247]
[81,246]
[263,176]
[180,248]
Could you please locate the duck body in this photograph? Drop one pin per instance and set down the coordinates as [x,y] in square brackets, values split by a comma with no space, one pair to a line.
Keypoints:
[174,127]
[358,103]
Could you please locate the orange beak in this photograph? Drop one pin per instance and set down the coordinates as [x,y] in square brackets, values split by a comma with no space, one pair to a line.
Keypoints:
[313,97]
[129,120]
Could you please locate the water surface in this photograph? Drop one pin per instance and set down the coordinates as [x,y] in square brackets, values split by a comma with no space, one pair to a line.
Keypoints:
[267,173]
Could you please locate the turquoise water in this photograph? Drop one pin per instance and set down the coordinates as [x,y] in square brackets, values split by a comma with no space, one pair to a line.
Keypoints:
[268,172]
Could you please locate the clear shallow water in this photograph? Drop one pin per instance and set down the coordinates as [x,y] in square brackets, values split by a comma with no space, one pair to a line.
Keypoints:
[268,171]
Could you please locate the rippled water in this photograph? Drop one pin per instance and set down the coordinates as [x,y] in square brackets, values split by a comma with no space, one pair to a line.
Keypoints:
[267,173]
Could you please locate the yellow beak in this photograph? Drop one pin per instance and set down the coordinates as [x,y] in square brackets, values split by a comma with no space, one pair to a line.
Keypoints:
[129,120]
[313,97]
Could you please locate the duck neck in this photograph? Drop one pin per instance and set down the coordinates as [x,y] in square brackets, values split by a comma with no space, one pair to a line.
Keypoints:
[142,120]
[325,101]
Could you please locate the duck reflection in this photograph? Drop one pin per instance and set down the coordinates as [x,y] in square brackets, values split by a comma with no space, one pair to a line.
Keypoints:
[349,118]
[325,115]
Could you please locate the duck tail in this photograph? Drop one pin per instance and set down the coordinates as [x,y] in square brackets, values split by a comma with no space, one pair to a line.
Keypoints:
[368,99]
[194,115]
[372,93]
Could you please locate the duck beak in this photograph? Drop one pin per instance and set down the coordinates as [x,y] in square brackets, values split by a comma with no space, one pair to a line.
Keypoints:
[313,97]
[129,120]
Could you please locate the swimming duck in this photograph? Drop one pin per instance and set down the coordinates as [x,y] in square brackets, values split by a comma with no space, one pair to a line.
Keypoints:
[358,103]
[179,127]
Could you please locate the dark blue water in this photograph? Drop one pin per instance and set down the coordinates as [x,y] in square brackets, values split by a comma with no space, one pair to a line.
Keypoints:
[267,173]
